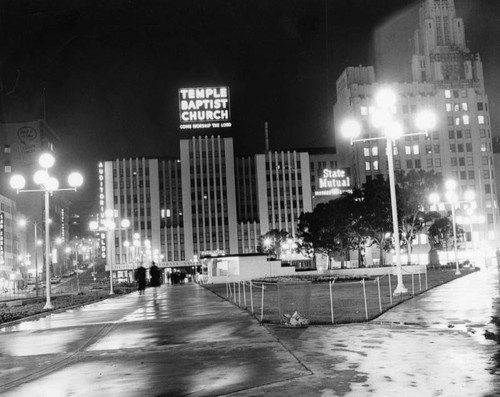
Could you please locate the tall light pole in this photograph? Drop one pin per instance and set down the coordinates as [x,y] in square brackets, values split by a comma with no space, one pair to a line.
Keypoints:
[382,118]
[109,225]
[452,198]
[47,185]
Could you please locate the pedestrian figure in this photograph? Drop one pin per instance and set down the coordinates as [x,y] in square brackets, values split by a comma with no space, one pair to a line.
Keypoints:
[154,272]
[140,277]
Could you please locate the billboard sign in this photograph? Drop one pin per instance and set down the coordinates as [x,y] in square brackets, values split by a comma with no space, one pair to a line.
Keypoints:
[206,107]
[333,183]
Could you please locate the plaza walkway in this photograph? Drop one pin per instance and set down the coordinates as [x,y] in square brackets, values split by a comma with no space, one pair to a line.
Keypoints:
[185,341]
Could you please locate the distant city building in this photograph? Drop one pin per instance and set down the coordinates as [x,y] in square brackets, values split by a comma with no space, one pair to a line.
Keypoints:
[21,144]
[205,203]
[448,79]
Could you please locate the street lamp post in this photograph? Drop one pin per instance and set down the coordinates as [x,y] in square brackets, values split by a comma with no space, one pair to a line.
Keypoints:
[382,119]
[108,225]
[452,199]
[48,185]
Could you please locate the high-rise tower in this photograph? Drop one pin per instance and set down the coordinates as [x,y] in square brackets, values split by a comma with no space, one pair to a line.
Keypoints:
[447,78]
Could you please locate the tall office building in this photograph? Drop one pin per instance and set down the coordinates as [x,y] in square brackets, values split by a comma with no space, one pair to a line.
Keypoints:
[205,203]
[448,79]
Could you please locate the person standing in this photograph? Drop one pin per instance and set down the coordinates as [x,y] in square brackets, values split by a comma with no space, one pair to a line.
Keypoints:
[140,277]
[154,273]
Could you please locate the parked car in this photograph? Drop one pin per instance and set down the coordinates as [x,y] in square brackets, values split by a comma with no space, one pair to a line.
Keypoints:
[55,280]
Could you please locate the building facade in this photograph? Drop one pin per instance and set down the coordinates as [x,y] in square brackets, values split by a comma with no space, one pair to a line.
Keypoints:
[448,79]
[205,203]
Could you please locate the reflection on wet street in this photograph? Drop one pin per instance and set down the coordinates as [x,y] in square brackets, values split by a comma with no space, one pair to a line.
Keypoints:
[183,340]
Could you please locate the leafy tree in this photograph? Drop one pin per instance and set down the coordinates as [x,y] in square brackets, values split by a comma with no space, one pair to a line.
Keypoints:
[270,243]
[376,219]
[412,191]
[330,228]
[441,233]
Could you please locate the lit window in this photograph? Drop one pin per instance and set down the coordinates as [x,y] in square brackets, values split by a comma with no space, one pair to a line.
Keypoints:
[6,149]
[465,106]
[375,151]
[465,119]
[447,93]
[367,166]
[456,108]
[483,147]
[375,165]
[395,151]
[457,120]
[366,151]
[408,149]
[448,107]
[364,110]
[480,119]
[416,149]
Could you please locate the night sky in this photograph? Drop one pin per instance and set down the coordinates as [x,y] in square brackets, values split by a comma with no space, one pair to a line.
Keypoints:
[111,69]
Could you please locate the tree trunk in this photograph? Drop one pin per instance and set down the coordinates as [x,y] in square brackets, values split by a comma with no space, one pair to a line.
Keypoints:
[408,250]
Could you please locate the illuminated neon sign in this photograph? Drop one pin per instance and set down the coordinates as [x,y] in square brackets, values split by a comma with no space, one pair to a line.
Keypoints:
[204,108]
[333,183]
[2,237]
[102,205]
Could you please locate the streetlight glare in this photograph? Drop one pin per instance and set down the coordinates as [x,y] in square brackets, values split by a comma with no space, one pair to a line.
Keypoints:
[350,129]
[40,177]
[434,198]
[17,182]
[75,179]
[380,118]
[22,222]
[93,225]
[394,130]
[125,223]
[425,120]
[385,98]
[470,195]
[450,184]
[52,184]
[46,160]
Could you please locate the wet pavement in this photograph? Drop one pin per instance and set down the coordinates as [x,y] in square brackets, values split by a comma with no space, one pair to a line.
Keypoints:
[184,340]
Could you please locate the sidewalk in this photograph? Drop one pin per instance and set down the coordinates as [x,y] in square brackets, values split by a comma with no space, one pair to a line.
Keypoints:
[184,340]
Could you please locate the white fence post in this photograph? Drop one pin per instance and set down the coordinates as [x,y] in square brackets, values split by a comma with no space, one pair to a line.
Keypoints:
[364,294]
[244,294]
[390,287]
[412,284]
[262,305]
[331,300]
[251,295]
[419,282]
[239,293]
[379,298]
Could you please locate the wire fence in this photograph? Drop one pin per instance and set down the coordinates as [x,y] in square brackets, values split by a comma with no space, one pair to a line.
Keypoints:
[334,302]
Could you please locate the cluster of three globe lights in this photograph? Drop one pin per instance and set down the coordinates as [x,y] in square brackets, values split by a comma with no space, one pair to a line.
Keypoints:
[451,194]
[382,118]
[41,177]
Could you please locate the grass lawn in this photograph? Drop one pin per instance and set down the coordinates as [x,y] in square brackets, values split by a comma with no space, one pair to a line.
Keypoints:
[348,297]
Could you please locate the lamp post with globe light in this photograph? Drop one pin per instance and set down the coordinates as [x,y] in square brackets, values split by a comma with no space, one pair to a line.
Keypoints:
[451,197]
[108,225]
[382,119]
[47,185]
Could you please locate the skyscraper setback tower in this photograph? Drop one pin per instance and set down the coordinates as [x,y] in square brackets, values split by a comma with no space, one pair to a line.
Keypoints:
[440,52]
[448,79]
